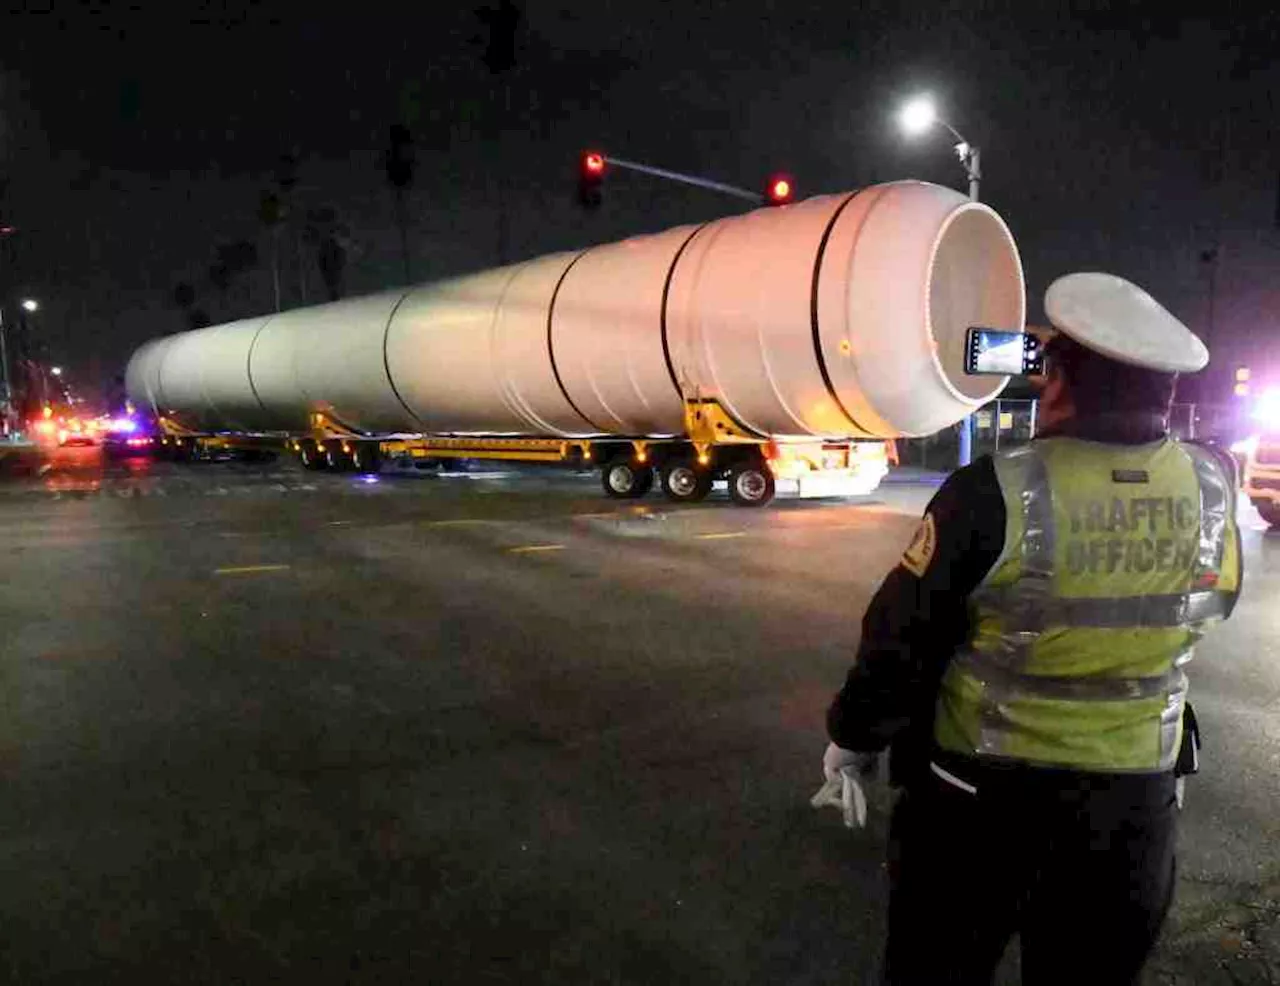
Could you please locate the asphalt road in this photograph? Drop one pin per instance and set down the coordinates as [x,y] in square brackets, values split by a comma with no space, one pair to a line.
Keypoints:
[260,725]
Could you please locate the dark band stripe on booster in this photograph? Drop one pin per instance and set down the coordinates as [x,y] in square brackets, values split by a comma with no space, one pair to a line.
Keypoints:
[386,360]
[813,314]
[551,350]
[666,293]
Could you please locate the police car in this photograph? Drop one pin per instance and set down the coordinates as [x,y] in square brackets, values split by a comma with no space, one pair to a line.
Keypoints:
[1261,474]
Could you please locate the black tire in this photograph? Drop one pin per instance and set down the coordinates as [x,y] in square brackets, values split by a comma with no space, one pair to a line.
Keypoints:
[623,479]
[684,482]
[751,484]
[311,457]
[367,458]
[336,459]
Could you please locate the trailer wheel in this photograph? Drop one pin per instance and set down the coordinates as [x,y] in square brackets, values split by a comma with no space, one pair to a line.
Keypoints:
[367,459]
[622,480]
[336,459]
[311,457]
[751,484]
[684,482]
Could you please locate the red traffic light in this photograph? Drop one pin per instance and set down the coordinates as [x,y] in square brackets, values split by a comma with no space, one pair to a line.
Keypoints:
[590,178]
[780,190]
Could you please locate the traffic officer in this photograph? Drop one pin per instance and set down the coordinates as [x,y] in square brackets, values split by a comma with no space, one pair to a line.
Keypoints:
[1024,665]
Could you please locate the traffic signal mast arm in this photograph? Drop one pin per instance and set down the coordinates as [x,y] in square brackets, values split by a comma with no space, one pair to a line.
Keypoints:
[780,188]
[686,179]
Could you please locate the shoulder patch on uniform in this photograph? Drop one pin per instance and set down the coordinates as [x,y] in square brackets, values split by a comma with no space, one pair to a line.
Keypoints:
[920,551]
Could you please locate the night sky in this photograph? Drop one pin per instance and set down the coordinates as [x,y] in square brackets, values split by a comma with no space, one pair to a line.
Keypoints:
[133,143]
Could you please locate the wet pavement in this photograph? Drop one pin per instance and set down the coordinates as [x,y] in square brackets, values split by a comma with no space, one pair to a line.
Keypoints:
[264,725]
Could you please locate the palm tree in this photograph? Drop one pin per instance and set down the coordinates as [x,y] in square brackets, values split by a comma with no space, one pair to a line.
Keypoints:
[271,213]
[230,261]
[184,296]
[399,166]
[331,241]
[286,180]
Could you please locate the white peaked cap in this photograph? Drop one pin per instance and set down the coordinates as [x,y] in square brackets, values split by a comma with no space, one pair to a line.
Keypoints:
[1117,319]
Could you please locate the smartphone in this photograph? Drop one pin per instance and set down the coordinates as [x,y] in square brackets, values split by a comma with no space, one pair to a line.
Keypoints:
[999,352]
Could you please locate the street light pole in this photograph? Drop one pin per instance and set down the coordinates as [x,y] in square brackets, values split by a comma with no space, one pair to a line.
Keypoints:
[6,401]
[916,117]
[29,307]
[972,161]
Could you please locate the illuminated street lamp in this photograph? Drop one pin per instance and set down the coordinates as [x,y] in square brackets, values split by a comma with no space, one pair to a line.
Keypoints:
[56,371]
[30,305]
[919,114]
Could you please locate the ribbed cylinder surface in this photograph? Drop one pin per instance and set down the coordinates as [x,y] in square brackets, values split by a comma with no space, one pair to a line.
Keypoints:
[839,316]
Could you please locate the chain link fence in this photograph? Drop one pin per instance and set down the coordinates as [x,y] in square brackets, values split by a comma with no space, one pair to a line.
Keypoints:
[1002,424]
[1006,424]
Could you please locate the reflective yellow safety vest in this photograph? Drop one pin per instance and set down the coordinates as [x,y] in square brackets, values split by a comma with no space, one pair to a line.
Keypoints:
[1116,559]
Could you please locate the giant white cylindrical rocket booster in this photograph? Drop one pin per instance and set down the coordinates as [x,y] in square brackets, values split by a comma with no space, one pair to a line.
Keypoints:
[841,316]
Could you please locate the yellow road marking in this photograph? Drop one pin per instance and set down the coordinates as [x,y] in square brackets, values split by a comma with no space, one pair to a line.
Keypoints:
[530,548]
[457,523]
[249,569]
[722,537]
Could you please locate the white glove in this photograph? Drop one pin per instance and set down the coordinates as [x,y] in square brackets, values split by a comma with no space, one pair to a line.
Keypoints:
[842,790]
[836,758]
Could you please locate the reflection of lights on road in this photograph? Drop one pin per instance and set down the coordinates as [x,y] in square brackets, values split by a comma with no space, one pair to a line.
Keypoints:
[369,480]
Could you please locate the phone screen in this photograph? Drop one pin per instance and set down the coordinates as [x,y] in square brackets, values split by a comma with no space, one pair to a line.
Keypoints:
[999,352]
